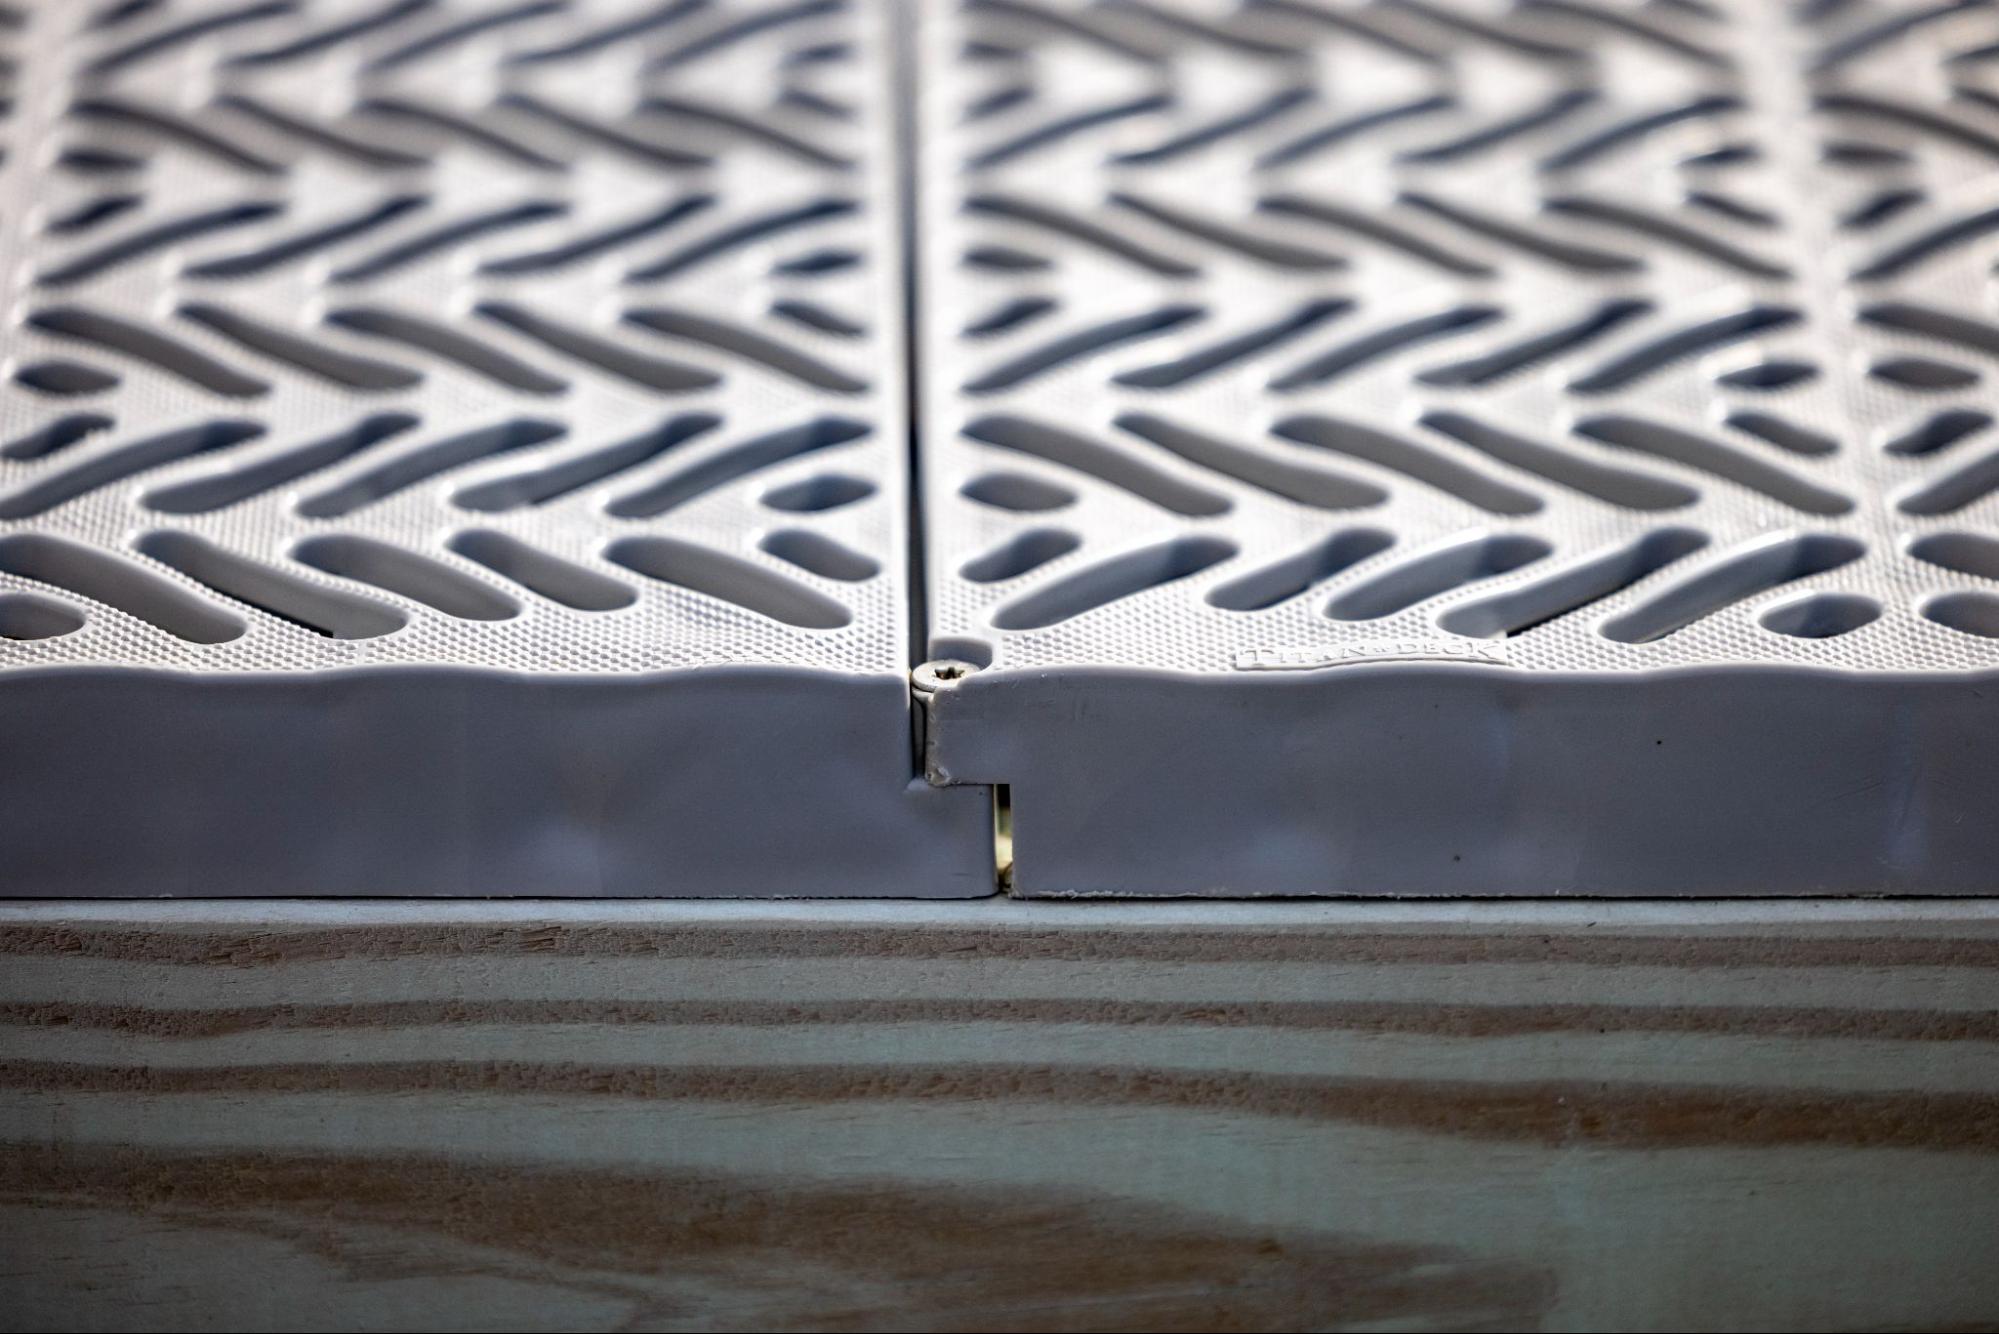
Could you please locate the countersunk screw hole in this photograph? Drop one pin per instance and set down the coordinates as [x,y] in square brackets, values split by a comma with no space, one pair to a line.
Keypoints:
[942,673]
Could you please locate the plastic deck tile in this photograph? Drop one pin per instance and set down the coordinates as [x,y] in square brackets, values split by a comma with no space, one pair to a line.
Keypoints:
[1424,447]
[1404,447]
[457,448]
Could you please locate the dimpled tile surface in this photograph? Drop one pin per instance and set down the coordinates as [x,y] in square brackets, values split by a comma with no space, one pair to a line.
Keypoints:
[406,332]
[1344,446]
[1450,446]
[547,351]
[1614,336]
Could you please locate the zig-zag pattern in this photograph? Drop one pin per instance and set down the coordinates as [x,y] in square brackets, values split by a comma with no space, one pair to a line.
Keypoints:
[559,335]
[526,335]
[1282,324]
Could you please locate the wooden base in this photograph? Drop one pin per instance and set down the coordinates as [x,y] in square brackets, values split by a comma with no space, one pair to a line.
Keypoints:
[999,1115]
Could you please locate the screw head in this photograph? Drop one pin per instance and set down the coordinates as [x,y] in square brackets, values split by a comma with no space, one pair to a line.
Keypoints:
[941,674]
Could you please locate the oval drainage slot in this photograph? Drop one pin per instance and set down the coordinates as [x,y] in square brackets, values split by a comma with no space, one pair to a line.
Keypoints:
[1821,615]
[820,554]
[1120,577]
[729,578]
[1285,579]
[116,582]
[1971,613]
[1436,572]
[816,495]
[1027,551]
[1017,492]
[324,611]
[1763,565]
[1520,610]
[418,578]
[552,577]
[30,616]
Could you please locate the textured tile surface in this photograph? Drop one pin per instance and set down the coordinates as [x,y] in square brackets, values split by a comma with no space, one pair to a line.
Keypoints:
[1619,337]
[1634,358]
[543,337]
[491,421]
[458,447]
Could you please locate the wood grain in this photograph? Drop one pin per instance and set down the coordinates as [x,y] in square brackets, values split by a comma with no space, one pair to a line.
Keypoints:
[999,1116]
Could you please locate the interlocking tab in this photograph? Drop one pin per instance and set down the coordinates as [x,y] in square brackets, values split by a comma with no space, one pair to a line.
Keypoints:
[457,448]
[1436,446]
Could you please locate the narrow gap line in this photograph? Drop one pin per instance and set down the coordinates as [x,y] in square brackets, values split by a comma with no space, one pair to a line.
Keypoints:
[904,47]
[1003,839]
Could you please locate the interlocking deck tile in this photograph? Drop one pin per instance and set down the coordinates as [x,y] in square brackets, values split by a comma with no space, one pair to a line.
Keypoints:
[1432,446]
[1416,446]
[457,448]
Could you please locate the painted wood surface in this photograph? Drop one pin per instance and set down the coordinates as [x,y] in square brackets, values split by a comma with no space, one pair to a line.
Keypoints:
[999,1116]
